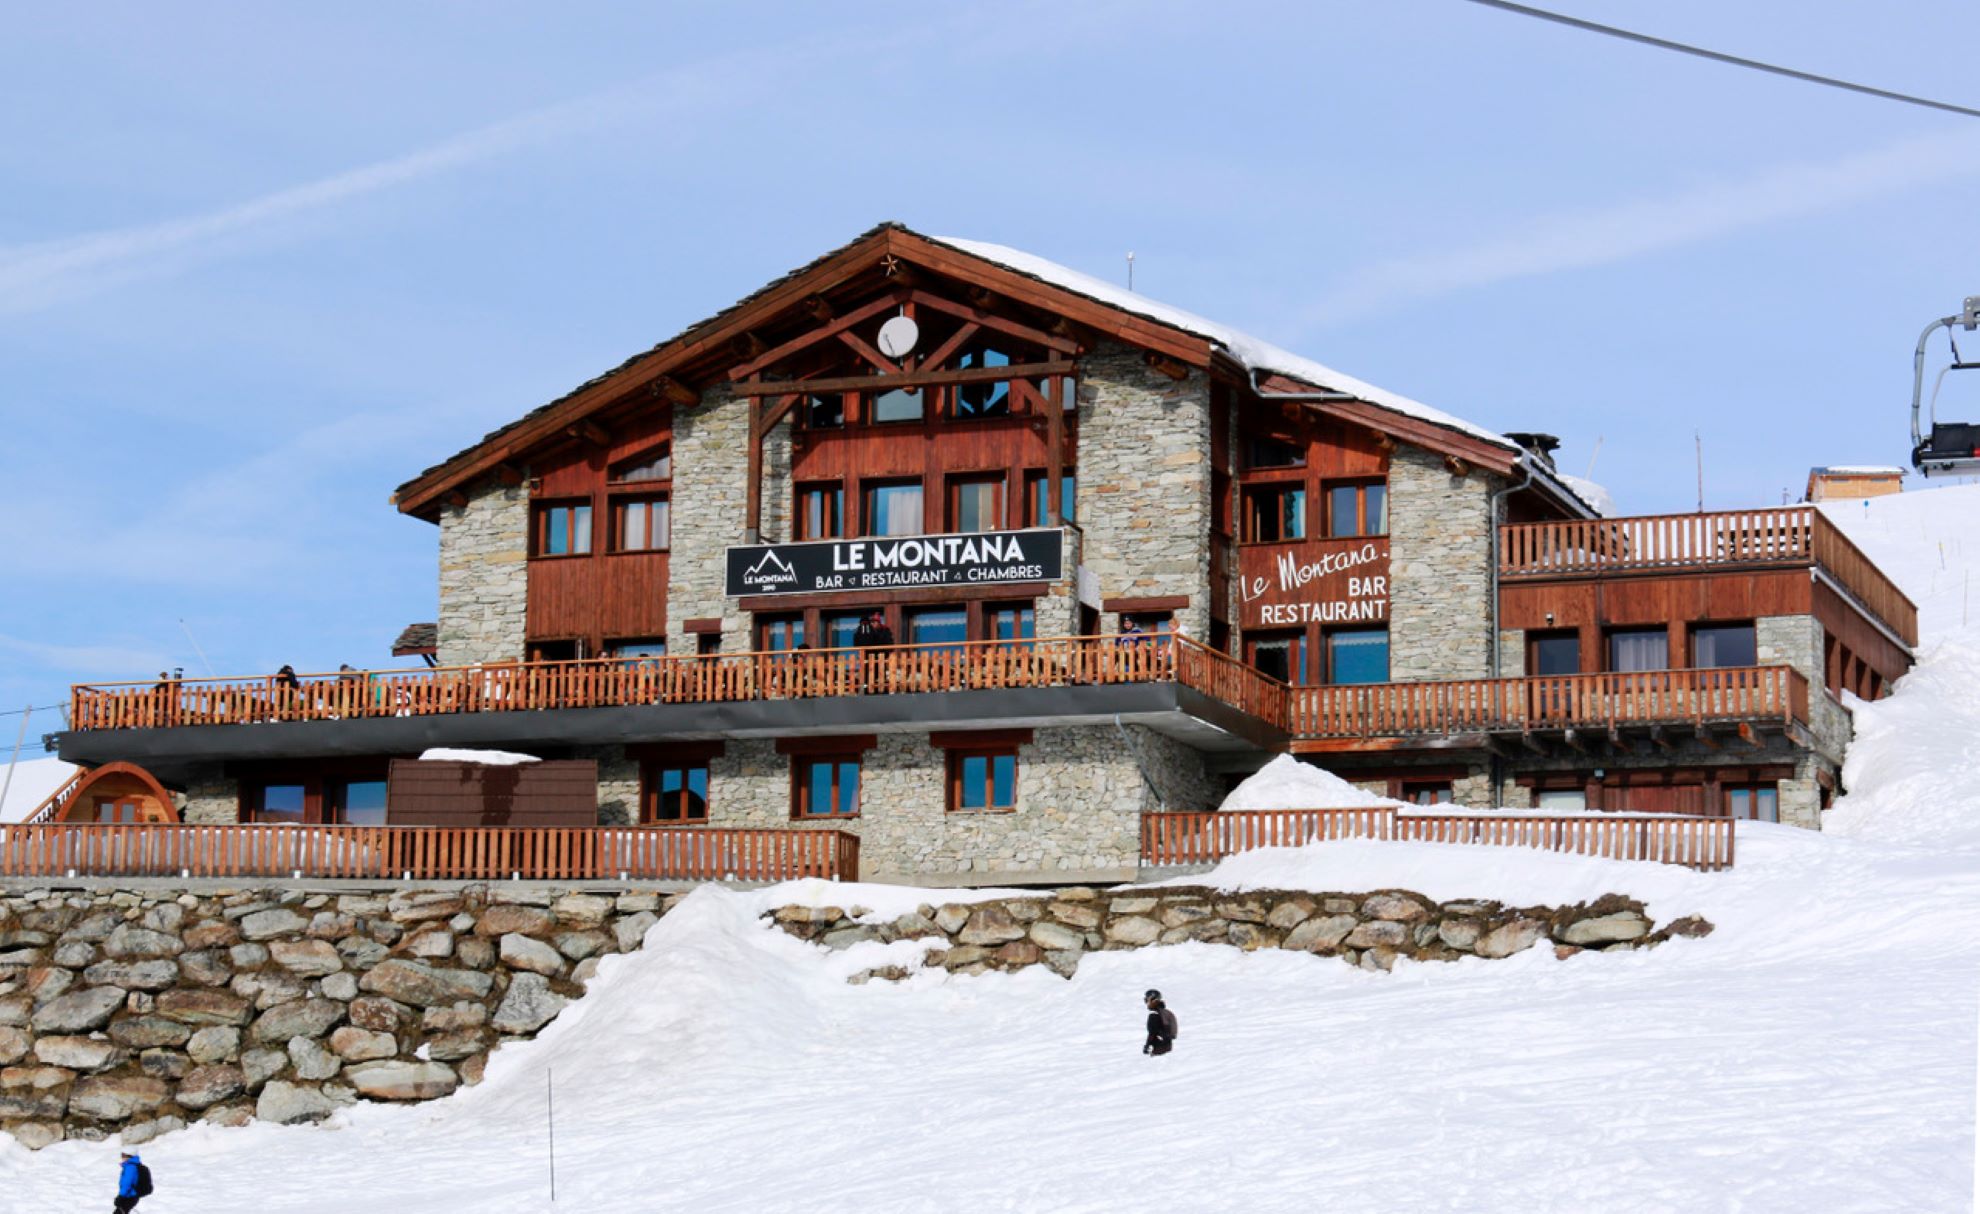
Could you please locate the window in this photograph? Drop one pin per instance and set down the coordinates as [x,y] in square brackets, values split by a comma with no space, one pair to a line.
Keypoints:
[638,647]
[1280,655]
[563,530]
[1427,792]
[894,509]
[641,524]
[356,803]
[1358,655]
[707,644]
[1272,453]
[1569,798]
[1757,802]
[1718,645]
[556,651]
[1009,621]
[825,786]
[839,627]
[1357,510]
[825,412]
[982,781]
[1273,513]
[1640,649]
[1153,623]
[277,804]
[898,405]
[976,504]
[945,626]
[821,511]
[1037,491]
[781,633]
[1554,653]
[675,792]
[655,465]
[983,400]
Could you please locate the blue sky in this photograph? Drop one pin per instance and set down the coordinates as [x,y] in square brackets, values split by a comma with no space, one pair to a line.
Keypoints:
[260,264]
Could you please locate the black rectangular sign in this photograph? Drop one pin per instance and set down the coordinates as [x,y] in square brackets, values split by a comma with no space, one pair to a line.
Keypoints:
[897,562]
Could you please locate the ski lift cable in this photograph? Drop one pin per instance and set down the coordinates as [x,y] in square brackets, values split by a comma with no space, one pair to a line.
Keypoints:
[1685,48]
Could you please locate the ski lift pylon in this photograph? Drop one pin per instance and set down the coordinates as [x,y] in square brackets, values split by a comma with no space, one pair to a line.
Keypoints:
[1945,448]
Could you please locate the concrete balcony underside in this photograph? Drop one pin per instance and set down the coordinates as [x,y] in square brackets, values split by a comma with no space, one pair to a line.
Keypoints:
[1172,709]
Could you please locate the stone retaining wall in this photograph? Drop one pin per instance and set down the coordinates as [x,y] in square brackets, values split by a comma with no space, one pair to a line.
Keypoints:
[1370,930]
[132,1014]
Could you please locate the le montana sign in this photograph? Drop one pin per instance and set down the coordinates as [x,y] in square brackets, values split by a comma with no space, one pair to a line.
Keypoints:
[1314,582]
[896,562]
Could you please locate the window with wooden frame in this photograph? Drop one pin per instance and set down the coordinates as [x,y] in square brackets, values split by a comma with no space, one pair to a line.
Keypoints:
[896,405]
[825,785]
[1280,655]
[983,781]
[779,633]
[673,791]
[1009,621]
[892,508]
[1639,649]
[637,647]
[654,465]
[1037,493]
[1358,655]
[1274,513]
[354,802]
[1718,646]
[991,399]
[976,503]
[275,803]
[1428,792]
[826,412]
[1754,802]
[563,529]
[1360,508]
[821,511]
[641,524]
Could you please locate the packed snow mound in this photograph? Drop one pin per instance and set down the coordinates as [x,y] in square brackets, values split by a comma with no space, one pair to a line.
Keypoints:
[34,780]
[1913,771]
[487,758]
[1928,542]
[1287,783]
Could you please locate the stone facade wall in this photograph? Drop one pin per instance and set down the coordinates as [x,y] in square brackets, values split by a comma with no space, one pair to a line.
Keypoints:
[484,577]
[1440,551]
[135,1012]
[1512,653]
[710,499]
[211,799]
[1080,797]
[1370,930]
[1144,482]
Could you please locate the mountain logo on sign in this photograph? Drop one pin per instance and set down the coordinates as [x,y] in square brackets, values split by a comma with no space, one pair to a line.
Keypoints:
[772,570]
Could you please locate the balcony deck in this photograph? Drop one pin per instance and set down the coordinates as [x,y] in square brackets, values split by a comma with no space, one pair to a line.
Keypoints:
[1788,537]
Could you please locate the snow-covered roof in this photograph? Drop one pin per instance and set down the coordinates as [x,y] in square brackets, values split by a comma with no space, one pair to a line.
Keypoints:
[1588,491]
[1858,470]
[1254,353]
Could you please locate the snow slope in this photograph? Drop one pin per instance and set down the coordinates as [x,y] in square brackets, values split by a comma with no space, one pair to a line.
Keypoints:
[1928,542]
[34,780]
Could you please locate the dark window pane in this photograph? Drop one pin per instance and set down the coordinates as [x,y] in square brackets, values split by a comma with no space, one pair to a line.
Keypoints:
[281,803]
[1557,655]
[1375,499]
[1003,781]
[983,400]
[973,780]
[825,411]
[1359,655]
[938,626]
[899,405]
[976,506]
[1343,510]
[821,788]
[557,531]
[848,788]
[783,635]
[362,803]
[1725,645]
[839,629]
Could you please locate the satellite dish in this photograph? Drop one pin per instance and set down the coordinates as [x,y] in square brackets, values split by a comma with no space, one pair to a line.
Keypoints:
[897,336]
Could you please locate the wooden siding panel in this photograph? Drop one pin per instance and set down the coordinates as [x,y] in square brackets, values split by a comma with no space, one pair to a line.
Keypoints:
[552,793]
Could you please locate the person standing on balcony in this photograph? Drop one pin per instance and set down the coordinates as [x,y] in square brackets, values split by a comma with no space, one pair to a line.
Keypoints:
[1161,1025]
[872,633]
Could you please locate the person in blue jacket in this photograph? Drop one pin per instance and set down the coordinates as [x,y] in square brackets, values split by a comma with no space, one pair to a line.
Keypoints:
[129,1191]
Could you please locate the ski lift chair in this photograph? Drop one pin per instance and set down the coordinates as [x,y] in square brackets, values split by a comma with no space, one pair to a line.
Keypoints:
[1946,448]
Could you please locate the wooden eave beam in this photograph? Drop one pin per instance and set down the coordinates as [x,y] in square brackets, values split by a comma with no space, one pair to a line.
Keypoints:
[1705,737]
[509,474]
[993,320]
[1174,368]
[419,495]
[910,379]
[1474,451]
[811,337]
[817,307]
[676,392]
[589,432]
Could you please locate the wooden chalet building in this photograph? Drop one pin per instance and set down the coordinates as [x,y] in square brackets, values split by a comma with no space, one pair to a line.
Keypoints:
[1123,556]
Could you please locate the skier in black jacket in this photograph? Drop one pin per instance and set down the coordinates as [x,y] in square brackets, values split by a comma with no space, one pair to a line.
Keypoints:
[1161,1025]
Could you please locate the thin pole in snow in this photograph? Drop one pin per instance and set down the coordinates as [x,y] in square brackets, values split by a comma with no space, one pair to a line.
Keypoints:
[550,1114]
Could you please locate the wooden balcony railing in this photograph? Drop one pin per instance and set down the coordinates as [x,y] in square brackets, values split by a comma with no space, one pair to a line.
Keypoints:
[1751,694]
[52,805]
[1784,537]
[428,853]
[1169,840]
[713,678]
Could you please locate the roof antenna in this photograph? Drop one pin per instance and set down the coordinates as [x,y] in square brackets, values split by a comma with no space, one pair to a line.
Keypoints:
[1130,269]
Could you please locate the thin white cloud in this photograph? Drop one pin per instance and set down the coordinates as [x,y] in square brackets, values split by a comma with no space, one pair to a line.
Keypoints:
[1616,233]
[39,274]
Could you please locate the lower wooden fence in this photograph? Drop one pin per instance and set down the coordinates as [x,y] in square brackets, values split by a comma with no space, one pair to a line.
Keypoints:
[1200,838]
[394,853]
